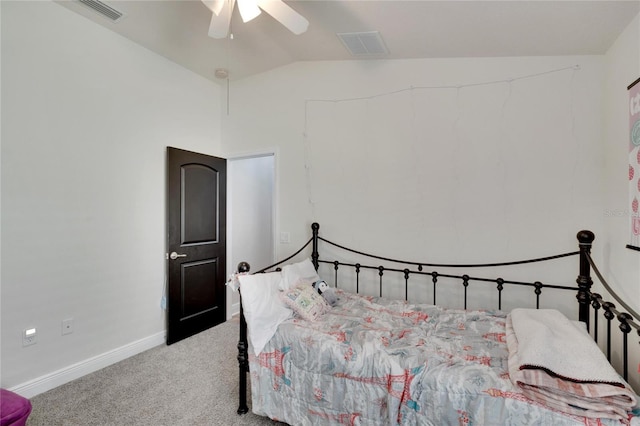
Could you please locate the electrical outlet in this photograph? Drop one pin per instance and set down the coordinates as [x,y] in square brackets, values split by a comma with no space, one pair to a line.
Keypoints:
[67,326]
[29,337]
[285,237]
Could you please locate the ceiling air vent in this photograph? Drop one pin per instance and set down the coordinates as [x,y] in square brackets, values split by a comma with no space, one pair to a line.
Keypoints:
[103,9]
[367,43]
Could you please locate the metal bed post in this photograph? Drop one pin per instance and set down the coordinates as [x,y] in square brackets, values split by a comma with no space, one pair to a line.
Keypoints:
[585,239]
[243,351]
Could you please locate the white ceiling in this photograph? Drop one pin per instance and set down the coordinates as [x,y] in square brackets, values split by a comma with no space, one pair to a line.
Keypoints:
[177,29]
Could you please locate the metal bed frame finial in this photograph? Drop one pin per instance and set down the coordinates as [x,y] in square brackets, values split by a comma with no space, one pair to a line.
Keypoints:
[585,240]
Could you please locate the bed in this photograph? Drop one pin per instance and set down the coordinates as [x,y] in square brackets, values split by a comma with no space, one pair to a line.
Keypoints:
[376,360]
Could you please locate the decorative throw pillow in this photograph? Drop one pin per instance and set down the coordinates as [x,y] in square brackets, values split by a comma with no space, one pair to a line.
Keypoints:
[305,301]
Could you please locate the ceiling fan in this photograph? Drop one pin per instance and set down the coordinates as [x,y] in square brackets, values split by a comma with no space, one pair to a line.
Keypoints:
[249,9]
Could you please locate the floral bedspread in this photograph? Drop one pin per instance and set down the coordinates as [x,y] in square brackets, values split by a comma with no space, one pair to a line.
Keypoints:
[373,361]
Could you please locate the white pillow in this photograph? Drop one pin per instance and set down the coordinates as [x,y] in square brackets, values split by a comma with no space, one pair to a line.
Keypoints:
[293,274]
[263,309]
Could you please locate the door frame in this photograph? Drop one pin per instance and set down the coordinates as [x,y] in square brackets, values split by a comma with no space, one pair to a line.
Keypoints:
[272,152]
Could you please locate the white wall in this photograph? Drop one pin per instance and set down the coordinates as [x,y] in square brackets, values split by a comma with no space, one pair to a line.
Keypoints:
[621,265]
[86,118]
[460,171]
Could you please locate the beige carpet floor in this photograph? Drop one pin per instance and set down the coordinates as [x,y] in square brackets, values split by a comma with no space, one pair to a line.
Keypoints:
[192,382]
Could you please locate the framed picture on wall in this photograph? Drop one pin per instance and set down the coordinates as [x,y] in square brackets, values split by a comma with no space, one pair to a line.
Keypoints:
[634,164]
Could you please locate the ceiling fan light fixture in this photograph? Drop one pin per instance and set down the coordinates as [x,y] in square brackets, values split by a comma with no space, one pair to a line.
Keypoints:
[248,10]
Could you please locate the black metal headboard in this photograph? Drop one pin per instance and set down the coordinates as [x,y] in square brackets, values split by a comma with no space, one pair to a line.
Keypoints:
[412,268]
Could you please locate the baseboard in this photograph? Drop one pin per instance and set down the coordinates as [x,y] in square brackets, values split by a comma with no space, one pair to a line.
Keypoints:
[235,309]
[57,378]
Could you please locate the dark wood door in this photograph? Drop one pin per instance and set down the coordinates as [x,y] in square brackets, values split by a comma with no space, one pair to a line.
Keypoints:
[196,242]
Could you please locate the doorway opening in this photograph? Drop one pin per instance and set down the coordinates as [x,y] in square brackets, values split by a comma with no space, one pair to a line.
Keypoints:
[251,204]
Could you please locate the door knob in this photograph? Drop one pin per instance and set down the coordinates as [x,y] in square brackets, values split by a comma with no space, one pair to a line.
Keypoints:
[174,255]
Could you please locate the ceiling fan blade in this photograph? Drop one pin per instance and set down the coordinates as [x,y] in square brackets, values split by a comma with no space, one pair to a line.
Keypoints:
[214,5]
[284,14]
[219,26]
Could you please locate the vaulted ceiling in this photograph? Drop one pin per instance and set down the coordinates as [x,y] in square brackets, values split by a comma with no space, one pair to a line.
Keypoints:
[177,29]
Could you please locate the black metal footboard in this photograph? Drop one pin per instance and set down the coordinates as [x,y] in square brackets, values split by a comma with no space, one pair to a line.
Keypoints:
[628,320]
[409,271]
